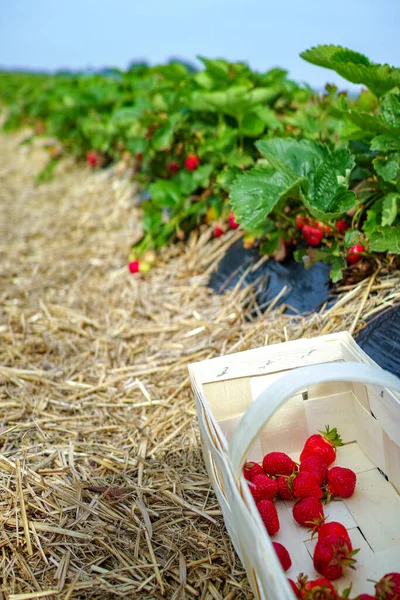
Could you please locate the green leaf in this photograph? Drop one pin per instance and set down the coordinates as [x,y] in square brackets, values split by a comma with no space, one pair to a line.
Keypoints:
[291,155]
[353,237]
[329,196]
[321,55]
[385,143]
[163,137]
[387,239]
[165,194]
[390,208]
[251,125]
[391,110]
[387,166]
[255,193]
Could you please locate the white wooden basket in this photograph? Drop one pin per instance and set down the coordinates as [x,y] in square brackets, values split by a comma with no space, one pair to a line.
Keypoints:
[273,398]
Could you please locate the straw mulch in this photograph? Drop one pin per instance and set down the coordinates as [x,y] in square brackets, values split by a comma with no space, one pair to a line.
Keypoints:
[103,492]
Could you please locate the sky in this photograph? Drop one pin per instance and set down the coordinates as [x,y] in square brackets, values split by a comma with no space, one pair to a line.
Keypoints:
[81,34]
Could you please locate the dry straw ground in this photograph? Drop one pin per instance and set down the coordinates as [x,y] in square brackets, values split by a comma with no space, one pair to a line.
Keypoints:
[103,492]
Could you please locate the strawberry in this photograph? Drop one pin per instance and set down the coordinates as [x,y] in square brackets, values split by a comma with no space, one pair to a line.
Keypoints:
[263,487]
[366,597]
[333,527]
[323,444]
[388,587]
[342,225]
[316,465]
[294,587]
[312,235]
[332,555]
[250,469]
[285,488]
[134,266]
[355,254]
[318,589]
[232,223]
[269,516]
[341,482]
[91,158]
[305,485]
[323,227]
[218,231]
[309,512]
[283,555]
[301,220]
[278,463]
[192,162]
[173,167]
[139,156]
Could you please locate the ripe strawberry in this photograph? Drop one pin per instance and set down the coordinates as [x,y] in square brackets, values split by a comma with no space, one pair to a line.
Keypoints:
[333,527]
[301,220]
[341,482]
[388,587]
[283,555]
[294,587]
[323,445]
[134,266]
[309,512]
[354,254]
[250,469]
[285,488]
[316,465]
[263,487]
[233,224]
[173,167]
[318,589]
[269,516]
[278,463]
[91,158]
[312,235]
[366,597]
[342,225]
[192,162]
[332,555]
[139,156]
[218,231]
[305,485]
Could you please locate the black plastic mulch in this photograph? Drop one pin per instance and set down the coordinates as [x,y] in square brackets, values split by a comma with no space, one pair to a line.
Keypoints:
[380,339]
[306,290]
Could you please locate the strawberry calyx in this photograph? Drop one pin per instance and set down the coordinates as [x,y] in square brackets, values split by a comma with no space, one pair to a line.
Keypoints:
[332,436]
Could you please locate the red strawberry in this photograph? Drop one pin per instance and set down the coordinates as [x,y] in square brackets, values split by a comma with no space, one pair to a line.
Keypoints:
[342,225]
[218,231]
[316,465]
[388,587]
[250,469]
[332,555]
[139,156]
[278,463]
[305,485]
[192,162]
[312,235]
[233,224]
[366,597]
[301,220]
[285,488]
[341,482]
[324,445]
[283,555]
[355,254]
[173,167]
[333,527]
[263,487]
[91,157]
[318,589]
[294,587]
[309,512]
[269,516]
[134,266]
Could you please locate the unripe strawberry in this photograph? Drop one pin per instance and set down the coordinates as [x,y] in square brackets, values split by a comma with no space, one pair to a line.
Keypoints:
[312,235]
[355,254]
[192,162]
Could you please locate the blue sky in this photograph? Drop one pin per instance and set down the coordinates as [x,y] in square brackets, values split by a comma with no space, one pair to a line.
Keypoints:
[46,34]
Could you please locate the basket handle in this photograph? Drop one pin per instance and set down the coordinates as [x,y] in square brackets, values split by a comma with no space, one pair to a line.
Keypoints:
[265,405]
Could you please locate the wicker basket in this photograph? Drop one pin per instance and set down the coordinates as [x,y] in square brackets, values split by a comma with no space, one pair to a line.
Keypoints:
[272,398]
